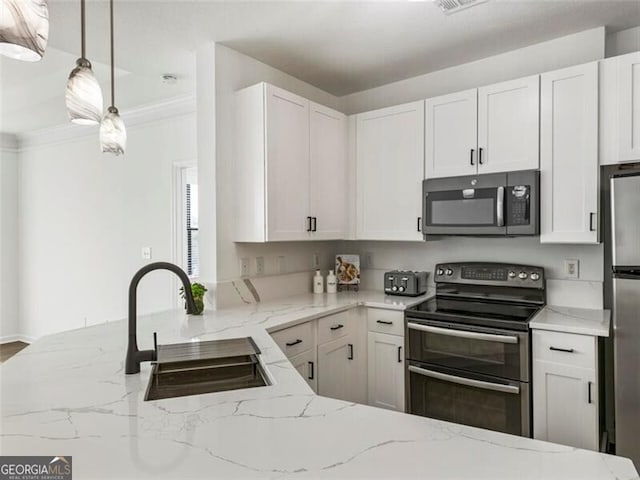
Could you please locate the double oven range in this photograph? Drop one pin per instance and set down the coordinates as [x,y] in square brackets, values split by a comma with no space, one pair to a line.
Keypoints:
[468,348]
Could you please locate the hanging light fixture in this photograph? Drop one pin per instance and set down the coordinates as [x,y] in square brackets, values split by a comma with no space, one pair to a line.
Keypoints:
[83,95]
[24,29]
[113,135]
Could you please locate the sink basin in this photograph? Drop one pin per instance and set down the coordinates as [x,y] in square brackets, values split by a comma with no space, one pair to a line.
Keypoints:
[205,367]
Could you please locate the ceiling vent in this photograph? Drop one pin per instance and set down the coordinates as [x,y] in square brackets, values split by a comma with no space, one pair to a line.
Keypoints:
[453,6]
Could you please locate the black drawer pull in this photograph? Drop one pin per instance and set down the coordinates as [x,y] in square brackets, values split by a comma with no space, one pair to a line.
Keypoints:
[291,344]
[589,390]
[311,371]
[566,350]
[399,354]
[337,327]
[384,322]
[350,346]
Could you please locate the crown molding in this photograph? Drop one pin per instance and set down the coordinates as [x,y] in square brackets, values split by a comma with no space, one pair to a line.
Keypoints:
[9,142]
[152,112]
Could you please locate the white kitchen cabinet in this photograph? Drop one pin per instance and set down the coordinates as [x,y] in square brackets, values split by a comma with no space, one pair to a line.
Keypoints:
[565,389]
[389,170]
[287,153]
[329,185]
[451,134]
[486,130]
[306,365]
[508,125]
[341,372]
[620,109]
[569,169]
[386,371]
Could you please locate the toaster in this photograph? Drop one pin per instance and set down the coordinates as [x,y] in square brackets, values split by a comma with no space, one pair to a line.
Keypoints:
[405,282]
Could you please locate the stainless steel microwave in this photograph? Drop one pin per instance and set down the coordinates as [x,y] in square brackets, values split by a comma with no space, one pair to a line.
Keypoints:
[487,205]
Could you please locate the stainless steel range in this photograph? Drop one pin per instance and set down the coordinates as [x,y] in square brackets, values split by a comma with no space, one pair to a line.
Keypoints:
[468,348]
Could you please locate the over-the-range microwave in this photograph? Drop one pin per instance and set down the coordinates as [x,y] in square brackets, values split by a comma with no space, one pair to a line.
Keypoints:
[488,205]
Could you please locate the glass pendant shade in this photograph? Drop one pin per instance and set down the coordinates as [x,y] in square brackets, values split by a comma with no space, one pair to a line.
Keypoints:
[83,95]
[113,135]
[24,29]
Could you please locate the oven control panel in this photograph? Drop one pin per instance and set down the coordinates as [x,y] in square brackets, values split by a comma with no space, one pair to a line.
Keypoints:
[504,274]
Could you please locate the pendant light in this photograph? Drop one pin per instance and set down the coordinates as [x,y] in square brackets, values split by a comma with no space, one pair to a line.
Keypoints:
[113,135]
[24,29]
[83,95]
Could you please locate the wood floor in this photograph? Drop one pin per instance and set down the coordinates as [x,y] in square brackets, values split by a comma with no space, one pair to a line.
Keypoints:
[8,350]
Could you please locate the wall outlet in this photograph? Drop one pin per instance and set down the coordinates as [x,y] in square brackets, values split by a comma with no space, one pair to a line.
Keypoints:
[571,268]
[368,259]
[146,253]
[259,265]
[244,267]
[315,261]
[282,264]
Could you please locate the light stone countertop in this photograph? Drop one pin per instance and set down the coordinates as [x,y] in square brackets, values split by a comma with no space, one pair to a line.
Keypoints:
[67,394]
[583,321]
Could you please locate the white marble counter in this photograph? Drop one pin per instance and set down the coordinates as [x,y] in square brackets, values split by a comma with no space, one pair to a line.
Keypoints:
[67,394]
[583,321]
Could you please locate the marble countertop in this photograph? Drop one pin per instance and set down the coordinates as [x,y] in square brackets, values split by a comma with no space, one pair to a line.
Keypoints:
[583,321]
[67,394]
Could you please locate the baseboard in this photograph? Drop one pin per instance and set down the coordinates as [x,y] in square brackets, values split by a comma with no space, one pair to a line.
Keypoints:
[16,338]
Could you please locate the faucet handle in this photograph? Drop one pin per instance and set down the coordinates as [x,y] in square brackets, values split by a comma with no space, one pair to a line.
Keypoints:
[155,346]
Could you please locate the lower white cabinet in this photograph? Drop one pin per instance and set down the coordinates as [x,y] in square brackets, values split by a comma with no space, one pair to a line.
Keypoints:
[386,371]
[306,365]
[341,372]
[565,389]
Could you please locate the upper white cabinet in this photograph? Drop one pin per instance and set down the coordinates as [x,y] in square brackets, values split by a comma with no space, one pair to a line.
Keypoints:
[451,134]
[389,170]
[486,130]
[288,150]
[569,155]
[620,109]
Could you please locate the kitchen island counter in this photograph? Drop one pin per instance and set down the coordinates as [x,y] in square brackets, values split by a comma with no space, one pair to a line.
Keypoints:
[67,394]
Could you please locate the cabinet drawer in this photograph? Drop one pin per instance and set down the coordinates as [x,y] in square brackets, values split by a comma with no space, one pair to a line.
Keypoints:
[565,348]
[385,321]
[334,326]
[295,340]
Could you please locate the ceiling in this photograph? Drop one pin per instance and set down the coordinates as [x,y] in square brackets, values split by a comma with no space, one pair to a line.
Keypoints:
[338,46]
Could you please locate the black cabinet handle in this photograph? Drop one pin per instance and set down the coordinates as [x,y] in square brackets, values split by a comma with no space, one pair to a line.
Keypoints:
[294,343]
[480,155]
[311,371]
[315,223]
[471,158]
[384,322]
[337,327]
[591,215]
[419,224]
[399,354]
[350,346]
[589,390]
[308,224]
[566,350]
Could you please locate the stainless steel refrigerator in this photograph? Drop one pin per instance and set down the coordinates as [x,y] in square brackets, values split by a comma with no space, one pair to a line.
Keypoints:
[625,302]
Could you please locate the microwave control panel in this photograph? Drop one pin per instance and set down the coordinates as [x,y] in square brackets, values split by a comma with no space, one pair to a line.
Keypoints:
[519,205]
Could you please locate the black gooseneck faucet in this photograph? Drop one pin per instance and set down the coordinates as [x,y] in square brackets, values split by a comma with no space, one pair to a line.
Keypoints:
[135,356]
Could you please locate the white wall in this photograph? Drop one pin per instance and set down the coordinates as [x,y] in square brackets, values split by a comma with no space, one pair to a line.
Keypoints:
[625,41]
[9,324]
[550,55]
[84,218]
[234,71]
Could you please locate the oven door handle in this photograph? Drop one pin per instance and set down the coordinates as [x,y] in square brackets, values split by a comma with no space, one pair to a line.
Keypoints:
[497,387]
[487,337]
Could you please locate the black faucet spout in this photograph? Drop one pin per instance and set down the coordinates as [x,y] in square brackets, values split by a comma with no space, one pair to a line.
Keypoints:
[135,356]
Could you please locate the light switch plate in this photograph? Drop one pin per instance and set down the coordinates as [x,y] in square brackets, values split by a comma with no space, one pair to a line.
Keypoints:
[244,267]
[146,253]
[259,265]
[571,268]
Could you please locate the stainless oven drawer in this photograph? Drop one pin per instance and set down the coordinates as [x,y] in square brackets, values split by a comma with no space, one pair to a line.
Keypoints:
[469,399]
[483,350]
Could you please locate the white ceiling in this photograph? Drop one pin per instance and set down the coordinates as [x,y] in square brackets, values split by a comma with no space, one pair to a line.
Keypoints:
[341,47]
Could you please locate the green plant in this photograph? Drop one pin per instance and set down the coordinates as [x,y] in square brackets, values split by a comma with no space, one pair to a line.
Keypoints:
[197,291]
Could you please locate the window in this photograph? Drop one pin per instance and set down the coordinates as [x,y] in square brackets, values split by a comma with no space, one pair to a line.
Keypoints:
[189,227]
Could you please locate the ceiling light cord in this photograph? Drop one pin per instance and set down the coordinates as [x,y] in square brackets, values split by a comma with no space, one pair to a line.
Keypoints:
[113,95]
[83,52]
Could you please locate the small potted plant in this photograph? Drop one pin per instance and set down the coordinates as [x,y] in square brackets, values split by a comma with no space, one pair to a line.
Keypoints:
[197,290]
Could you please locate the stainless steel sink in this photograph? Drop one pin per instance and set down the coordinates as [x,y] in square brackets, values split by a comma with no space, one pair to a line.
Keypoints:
[205,367]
